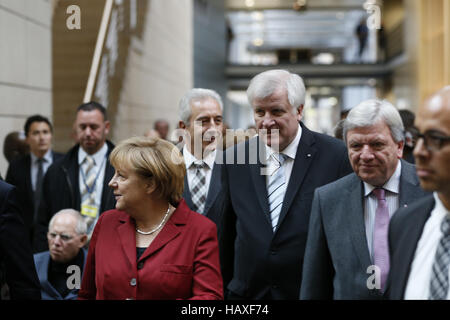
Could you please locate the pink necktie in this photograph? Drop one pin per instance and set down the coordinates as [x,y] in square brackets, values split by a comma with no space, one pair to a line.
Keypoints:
[380,236]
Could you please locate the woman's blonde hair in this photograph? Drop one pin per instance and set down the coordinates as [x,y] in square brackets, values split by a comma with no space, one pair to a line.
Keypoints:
[155,159]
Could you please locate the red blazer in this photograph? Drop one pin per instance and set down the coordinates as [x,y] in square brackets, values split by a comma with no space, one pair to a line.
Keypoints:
[182,262]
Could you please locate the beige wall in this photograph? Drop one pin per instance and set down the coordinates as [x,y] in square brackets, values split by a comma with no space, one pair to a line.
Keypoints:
[393,13]
[405,78]
[25,64]
[159,69]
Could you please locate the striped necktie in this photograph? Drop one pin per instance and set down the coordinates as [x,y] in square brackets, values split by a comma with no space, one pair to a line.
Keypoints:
[276,188]
[88,188]
[439,273]
[199,190]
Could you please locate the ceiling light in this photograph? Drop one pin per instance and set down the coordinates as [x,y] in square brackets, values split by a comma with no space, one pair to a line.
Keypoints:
[257,16]
[250,3]
[258,42]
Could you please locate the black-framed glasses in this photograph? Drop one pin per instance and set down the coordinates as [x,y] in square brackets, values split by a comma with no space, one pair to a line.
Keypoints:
[433,140]
[64,237]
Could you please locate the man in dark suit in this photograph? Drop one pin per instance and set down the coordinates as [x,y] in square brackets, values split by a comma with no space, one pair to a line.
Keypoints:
[200,111]
[419,236]
[80,179]
[15,251]
[27,172]
[347,239]
[264,225]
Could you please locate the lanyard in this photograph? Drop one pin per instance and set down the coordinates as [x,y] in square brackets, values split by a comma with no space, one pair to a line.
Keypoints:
[83,175]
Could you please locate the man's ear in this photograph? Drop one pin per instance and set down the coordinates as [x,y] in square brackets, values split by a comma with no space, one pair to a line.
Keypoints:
[83,240]
[107,126]
[400,146]
[299,112]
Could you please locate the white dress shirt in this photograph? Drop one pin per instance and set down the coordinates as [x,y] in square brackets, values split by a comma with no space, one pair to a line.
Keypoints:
[418,285]
[392,187]
[189,159]
[100,164]
[48,160]
[290,152]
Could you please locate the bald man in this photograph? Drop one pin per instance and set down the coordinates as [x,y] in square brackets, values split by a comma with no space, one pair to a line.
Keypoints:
[419,235]
[56,268]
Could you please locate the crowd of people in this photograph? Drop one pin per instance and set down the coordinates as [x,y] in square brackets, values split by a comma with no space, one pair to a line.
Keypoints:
[285,214]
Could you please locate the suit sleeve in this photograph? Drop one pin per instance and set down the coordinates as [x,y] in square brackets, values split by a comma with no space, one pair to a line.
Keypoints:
[15,248]
[318,271]
[227,233]
[207,281]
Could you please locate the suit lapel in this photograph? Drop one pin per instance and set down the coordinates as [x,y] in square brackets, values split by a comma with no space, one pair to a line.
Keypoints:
[303,159]
[215,185]
[28,179]
[169,232]
[187,193]
[415,228]
[259,180]
[409,185]
[356,224]
[128,239]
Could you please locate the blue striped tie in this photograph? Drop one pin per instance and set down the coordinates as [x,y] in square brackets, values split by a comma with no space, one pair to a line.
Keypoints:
[276,188]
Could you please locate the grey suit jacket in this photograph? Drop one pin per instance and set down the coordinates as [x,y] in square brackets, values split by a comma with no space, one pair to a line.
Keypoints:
[337,255]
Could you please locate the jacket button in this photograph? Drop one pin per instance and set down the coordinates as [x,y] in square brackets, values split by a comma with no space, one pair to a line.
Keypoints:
[140,265]
[133,282]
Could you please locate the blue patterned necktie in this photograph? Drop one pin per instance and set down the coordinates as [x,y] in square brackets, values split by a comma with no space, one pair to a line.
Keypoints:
[276,188]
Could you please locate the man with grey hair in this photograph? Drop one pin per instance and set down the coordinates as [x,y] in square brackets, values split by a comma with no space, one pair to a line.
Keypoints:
[347,254]
[264,225]
[60,269]
[200,111]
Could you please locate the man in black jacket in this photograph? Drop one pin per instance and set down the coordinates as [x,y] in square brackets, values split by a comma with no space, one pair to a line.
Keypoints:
[79,180]
[27,172]
[15,251]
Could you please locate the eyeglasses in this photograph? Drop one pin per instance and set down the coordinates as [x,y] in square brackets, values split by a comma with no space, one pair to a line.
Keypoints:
[64,237]
[433,140]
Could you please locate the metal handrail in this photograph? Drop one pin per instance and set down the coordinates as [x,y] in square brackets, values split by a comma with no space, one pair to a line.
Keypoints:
[98,50]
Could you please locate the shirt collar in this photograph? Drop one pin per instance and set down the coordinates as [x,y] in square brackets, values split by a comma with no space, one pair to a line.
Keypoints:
[98,156]
[439,206]
[47,156]
[291,150]
[189,158]
[392,185]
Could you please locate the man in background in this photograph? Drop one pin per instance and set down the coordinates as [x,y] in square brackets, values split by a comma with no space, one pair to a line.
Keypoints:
[65,258]
[80,179]
[27,172]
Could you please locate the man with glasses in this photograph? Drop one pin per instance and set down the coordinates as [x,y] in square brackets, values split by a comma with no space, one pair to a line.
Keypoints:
[347,253]
[419,236]
[60,269]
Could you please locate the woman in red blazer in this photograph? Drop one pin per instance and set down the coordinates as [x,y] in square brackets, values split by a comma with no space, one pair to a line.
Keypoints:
[152,246]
